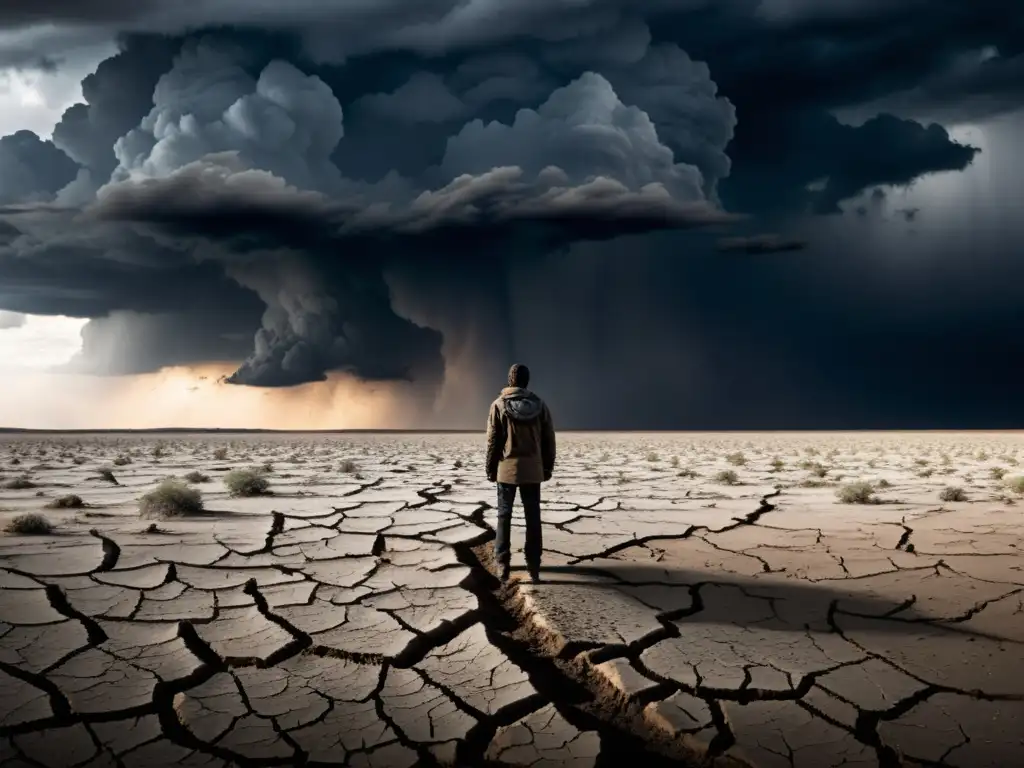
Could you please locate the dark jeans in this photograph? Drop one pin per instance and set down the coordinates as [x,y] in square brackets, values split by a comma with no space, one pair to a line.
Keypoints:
[530,496]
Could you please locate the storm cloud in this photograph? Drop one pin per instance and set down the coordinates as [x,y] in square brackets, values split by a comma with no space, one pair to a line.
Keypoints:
[32,169]
[380,188]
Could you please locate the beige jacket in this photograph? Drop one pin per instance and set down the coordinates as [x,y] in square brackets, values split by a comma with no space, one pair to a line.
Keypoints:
[520,438]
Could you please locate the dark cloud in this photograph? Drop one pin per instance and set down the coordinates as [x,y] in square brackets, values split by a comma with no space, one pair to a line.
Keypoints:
[828,162]
[32,169]
[583,129]
[423,98]
[763,243]
[392,189]
[279,241]
[231,169]
[976,85]
[125,342]
[218,198]
[115,99]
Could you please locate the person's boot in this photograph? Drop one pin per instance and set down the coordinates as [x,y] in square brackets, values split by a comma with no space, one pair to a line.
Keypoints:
[505,573]
[534,571]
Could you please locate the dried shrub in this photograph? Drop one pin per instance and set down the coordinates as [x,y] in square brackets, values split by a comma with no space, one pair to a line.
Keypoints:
[172,498]
[71,501]
[952,493]
[727,477]
[859,492]
[246,482]
[31,524]
[19,484]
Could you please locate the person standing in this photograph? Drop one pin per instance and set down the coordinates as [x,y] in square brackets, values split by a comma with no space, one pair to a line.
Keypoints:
[520,455]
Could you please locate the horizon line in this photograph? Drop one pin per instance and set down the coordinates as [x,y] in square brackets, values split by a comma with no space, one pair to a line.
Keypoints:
[381,431]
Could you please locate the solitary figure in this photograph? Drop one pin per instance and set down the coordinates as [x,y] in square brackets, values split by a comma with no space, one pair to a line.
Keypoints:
[520,454]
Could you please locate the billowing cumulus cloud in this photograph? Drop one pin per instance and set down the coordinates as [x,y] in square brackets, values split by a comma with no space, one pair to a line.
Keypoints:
[115,98]
[283,121]
[585,130]
[32,169]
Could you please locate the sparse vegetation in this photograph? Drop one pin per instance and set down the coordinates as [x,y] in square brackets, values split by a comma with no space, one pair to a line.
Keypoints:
[172,498]
[727,477]
[859,492]
[736,459]
[122,461]
[19,484]
[457,464]
[220,454]
[652,456]
[197,477]
[952,493]
[246,482]
[71,501]
[107,474]
[688,473]
[997,473]
[30,524]
[674,462]
[348,467]
[777,464]
[883,483]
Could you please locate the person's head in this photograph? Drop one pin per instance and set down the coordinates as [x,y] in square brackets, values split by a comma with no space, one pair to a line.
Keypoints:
[519,376]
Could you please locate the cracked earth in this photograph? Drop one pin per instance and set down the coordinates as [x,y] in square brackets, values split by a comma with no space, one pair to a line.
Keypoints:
[350,616]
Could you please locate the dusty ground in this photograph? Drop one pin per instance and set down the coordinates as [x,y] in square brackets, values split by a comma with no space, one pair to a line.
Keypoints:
[349,619]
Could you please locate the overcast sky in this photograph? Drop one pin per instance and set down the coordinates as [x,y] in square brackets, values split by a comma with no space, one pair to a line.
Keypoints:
[745,214]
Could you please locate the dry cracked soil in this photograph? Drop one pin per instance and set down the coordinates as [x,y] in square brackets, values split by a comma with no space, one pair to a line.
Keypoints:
[349,615]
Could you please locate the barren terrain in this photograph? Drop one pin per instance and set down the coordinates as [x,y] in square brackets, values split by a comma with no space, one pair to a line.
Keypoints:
[348,615]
